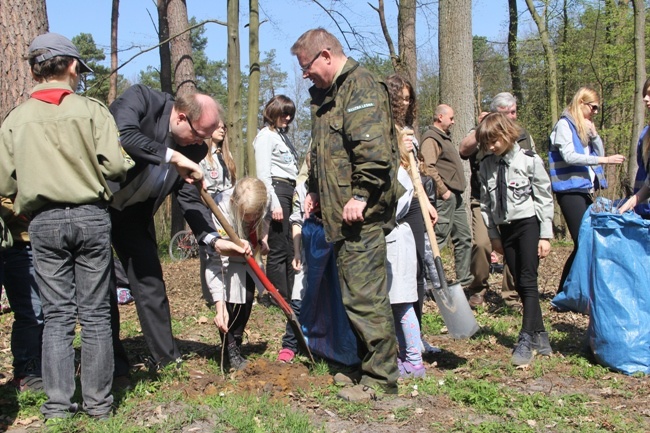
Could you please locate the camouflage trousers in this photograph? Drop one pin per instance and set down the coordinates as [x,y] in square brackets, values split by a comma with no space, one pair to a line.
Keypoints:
[361,265]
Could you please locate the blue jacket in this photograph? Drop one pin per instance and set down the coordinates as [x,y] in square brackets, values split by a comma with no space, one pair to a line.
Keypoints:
[567,177]
[642,209]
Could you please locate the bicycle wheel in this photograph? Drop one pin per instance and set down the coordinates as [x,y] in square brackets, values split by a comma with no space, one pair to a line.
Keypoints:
[180,247]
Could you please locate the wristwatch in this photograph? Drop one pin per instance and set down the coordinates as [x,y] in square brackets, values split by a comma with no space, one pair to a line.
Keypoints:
[358,197]
[213,242]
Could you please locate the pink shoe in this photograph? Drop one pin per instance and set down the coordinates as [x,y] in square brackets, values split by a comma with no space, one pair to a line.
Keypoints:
[286,355]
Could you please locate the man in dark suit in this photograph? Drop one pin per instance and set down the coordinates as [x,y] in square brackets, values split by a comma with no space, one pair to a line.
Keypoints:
[165,138]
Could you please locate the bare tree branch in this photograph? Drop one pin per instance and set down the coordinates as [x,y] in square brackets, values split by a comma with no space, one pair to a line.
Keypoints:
[146,50]
[336,23]
[384,28]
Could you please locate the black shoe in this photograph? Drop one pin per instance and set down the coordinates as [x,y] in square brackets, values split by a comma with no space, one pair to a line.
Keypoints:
[541,343]
[30,379]
[237,362]
[28,383]
[523,353]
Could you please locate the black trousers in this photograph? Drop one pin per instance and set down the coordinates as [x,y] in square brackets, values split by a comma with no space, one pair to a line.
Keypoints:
[238,315]
[134,240]
[278,263]
[414,219]
[573,206]
[520,239]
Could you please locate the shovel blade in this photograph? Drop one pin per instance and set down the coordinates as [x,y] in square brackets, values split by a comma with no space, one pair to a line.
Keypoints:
[456,312]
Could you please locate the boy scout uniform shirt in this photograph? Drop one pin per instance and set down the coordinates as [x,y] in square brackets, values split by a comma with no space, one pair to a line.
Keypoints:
[354,150]
[529,191]
[59,153]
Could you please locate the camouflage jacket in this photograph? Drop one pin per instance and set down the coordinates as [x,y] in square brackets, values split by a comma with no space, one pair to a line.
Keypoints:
[354,151]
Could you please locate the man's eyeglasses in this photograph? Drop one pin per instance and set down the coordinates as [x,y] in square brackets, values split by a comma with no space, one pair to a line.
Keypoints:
[194,131]
[593,107]
[306,68]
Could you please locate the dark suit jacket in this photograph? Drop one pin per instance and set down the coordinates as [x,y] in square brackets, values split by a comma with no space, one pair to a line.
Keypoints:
[142,117]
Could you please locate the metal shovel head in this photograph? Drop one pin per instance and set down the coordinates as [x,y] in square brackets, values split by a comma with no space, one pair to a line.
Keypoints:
[455,310]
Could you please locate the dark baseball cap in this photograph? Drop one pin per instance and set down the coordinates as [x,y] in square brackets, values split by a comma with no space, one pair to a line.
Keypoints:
[55,44]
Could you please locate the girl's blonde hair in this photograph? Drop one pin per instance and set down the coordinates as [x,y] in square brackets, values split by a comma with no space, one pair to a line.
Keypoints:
[497,127]
[249,198]
[584,95]
[403,153]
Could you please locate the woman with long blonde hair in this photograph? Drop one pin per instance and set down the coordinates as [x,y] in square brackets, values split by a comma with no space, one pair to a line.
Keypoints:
[575,154]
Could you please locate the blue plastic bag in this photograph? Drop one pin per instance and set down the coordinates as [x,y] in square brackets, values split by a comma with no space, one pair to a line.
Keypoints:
[619,298]
[575,291]
[322,315]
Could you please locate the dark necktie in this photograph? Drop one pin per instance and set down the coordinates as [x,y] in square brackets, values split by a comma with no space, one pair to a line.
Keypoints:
[502,187]
[290,146]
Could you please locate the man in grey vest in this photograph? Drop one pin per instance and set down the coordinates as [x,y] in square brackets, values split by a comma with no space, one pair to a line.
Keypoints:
[444,166]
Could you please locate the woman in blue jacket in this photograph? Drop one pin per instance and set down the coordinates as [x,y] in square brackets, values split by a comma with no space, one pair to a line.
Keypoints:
[575,154]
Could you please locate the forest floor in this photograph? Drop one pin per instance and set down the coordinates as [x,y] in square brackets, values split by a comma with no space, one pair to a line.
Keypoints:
[470,385]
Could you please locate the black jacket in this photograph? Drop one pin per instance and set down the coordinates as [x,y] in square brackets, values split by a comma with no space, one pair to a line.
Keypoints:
[142,116]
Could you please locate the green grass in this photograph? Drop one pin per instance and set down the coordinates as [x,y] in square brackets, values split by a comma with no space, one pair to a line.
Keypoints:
[256,415]
[581,367]
[432,324]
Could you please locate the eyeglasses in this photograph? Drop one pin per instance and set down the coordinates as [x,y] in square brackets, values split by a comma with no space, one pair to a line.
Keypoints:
[194,131]
[306,68]
[592,107]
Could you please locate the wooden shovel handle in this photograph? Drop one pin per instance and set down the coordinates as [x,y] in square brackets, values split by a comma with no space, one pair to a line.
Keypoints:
[424,204]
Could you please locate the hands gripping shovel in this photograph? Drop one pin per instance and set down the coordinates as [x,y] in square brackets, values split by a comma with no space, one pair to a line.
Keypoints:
[284,306]
[451,300]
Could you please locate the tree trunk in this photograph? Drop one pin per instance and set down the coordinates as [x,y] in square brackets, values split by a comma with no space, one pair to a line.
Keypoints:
[115,13]
[253,82]
[550,59]
[456,63]
[406,41]
[564,48]
[640,67]
[181,48]
[456,66]
[165,54]
[234,88]
[20,22]
[513,55]
[184,78]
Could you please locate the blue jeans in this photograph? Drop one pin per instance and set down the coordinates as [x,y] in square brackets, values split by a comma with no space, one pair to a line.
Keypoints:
[17,276]
[72,258]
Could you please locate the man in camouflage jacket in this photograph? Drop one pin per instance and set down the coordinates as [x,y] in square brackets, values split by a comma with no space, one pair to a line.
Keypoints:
[354,161]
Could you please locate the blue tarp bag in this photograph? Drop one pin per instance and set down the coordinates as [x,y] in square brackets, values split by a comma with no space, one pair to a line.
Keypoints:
[322,314]
[575,291]
[619,298]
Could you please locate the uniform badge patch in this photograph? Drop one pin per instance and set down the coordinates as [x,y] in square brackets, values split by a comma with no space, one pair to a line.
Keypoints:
[360,107]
